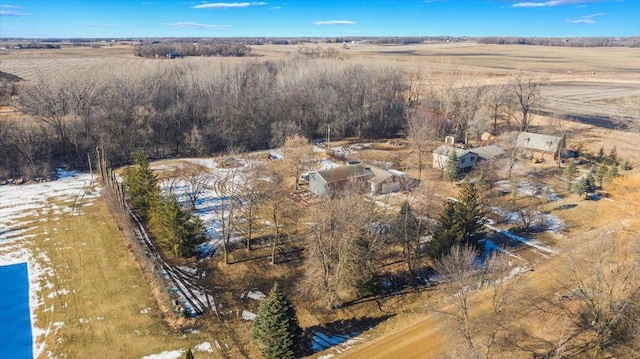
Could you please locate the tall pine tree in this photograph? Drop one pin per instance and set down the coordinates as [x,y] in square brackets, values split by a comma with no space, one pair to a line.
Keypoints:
[460,222]
[469,212]
[176,229]
[570,173]
[141,185]
[451,168]
[276,329]
[446,234]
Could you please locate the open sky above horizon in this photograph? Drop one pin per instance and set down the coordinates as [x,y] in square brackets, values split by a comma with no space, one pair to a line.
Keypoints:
[306,18]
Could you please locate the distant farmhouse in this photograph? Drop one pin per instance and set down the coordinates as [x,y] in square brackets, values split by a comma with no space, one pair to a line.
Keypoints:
[536,143]
[367,178]
[467,158]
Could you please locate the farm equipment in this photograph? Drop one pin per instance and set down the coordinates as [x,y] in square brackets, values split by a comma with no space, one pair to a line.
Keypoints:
[536,160]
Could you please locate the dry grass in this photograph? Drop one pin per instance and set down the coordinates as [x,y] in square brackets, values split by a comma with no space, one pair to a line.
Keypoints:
[107,309]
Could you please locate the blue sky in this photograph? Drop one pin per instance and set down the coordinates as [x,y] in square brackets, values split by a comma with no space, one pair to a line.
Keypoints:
[329,18]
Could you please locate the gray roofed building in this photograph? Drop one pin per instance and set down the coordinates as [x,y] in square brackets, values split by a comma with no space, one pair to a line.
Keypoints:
[331,179]
[536,142]
[488,152]
[466,158]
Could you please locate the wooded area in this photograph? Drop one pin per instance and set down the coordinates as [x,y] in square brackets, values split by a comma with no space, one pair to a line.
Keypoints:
[185,108]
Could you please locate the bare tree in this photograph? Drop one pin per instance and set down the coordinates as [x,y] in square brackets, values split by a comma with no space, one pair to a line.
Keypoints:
[419,135]
[502,277]
[525,87]
[281,209]
[495,100]
[509,145]
[196,180]
[458,268]
[499,277]
[254,194]
[605,280]
[228,208]
[297,153]
[343,243]
[469,106]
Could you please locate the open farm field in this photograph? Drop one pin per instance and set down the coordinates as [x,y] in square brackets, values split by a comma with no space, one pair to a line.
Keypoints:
[583,83]
[486,58]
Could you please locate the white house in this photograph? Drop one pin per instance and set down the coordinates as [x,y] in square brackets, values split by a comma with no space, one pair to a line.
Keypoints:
[466,158]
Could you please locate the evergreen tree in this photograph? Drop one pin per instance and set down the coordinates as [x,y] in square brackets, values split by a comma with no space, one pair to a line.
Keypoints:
[586,185]
[451,168]
[590,183]
[601,173]
[601,155]
[276,329]
[141,185]
[189,354]
[612,158]
[469,212]
[626,165]
[176,229]
[570,173]
[611,174]
[446,234]
[581,187]
[406,230]
[482,182]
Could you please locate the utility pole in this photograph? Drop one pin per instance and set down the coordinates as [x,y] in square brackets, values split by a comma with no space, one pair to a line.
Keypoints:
[328,135]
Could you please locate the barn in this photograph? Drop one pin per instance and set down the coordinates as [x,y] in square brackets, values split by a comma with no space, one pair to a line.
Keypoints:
[536,143]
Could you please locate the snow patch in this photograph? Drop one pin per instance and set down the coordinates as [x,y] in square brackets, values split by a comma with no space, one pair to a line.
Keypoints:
[256,295]
[174,354]
[204,347]
[247,315]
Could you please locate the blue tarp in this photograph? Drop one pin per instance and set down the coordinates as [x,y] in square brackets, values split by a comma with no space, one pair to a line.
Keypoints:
[15,319]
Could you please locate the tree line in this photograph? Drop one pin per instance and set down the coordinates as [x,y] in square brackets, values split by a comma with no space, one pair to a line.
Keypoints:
[192,108]
[163,49]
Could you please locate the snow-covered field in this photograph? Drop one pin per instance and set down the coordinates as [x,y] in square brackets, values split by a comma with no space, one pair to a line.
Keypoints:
[22,210]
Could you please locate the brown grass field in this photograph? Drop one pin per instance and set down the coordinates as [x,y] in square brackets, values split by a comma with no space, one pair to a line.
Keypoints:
[107,283]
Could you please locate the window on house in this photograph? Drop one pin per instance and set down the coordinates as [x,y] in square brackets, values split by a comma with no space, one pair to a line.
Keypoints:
[548,144]
[462,160]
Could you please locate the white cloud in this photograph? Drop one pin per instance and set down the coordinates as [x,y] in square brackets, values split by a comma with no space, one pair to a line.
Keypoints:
[587,19]
[228,5]
[334,22]
[13,13]
[275,8]
[551,3]
[11,6]
[195,25]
